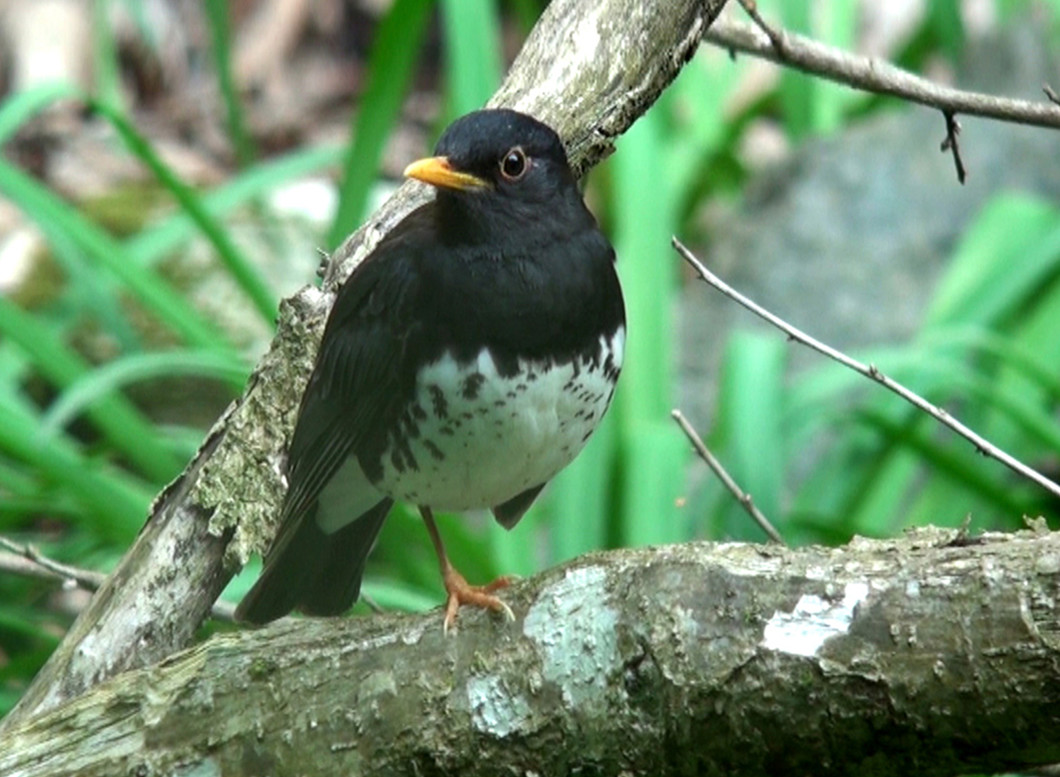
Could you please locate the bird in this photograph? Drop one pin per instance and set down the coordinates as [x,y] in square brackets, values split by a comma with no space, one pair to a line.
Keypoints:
[465,362]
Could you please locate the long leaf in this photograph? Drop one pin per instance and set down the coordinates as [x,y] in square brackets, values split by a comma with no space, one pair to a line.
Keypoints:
[116,502]
[217,16]
[151,290]
[93,386]
[242,271]
[472,53]
[390,67]
[122,424]
[19,108]
[157,240]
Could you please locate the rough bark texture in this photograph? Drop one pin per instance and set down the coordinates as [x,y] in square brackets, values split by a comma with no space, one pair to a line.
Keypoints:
[930,654]
[589,68]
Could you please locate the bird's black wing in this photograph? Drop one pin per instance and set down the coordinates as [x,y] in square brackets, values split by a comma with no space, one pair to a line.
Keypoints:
[359,384]
[357,389]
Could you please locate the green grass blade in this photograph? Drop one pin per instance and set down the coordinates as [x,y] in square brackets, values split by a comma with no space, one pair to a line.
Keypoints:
[168,235]
[1012,243]
[946,22]
[95,385]
[105,57]
[239,267]
[750,411]
[644,218]
[154,293]
[961,464]
[88,292]
[472,53]
[797,91]
[19,108]
[116,503]
[217,17]
[390,66]
[577,507]
[121,423]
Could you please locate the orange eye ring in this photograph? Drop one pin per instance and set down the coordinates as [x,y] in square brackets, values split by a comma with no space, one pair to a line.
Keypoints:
[514,164]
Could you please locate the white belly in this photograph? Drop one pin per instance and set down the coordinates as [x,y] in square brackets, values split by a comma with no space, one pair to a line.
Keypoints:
[479,448]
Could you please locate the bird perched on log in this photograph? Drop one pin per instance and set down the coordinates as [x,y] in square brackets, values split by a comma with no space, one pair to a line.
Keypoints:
[465,362]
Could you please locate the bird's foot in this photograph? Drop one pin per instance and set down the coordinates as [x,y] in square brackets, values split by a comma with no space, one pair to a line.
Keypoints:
[461,592]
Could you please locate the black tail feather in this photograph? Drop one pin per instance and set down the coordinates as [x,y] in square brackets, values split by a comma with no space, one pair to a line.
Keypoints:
[316,572]
[508,513]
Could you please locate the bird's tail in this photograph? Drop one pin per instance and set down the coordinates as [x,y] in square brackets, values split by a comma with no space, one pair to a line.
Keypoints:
[315,572]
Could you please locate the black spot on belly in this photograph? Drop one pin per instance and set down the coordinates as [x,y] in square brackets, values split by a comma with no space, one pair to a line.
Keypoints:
[410,428]
[472,383]
[438,400]
[401,456]
[434,450]
[417,411]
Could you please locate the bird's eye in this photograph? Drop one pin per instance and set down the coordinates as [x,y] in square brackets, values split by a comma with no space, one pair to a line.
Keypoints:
[514,164]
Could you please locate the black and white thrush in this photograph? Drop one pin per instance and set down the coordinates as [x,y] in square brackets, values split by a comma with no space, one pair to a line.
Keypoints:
[465,362]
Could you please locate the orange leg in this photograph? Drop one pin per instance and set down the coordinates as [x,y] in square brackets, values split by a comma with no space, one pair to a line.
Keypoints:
[459,590]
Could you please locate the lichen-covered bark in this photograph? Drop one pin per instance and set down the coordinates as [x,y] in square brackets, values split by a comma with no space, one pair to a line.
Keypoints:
[929,654]
[587,70]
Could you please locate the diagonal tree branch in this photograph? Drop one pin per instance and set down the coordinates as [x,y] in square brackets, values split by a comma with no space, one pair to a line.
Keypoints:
[589,69]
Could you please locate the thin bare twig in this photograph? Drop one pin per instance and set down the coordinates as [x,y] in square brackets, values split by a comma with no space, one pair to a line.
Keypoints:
[949,143]
[745,500]
[1051,93]
[27,561]
[982,445]
[776,37]
[48,568]
[873,75]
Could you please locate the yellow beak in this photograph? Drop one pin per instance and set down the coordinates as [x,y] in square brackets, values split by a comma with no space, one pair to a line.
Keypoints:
[437,171]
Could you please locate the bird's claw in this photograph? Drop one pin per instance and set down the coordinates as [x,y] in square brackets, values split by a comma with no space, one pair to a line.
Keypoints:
[461,593]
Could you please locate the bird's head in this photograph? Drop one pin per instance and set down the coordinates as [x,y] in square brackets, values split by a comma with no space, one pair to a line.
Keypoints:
[496,167]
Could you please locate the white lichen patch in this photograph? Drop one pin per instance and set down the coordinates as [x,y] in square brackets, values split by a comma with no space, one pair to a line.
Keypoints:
[494,709]
[804,630]
[575,630]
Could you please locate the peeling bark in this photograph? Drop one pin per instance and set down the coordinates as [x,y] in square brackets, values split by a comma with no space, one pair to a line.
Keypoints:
[930,652]
[589,69]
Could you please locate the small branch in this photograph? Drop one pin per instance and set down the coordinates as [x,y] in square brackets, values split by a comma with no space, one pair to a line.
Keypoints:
[46,568]
[872,75]
[745,500]
[776,37]
[982,445]
[949,143]
[1051,93]
[27,561]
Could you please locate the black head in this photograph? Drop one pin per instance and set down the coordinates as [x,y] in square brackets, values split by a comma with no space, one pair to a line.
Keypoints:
[495,169]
